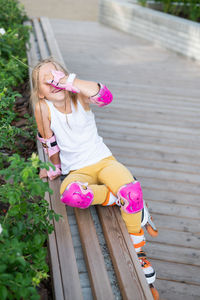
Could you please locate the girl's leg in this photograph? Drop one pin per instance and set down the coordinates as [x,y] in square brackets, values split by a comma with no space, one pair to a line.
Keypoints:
[121,182]
[114,175]
[86,177]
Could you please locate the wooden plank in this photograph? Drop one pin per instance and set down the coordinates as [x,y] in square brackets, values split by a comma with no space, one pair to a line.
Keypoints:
[50,38]
[133,284]
[173,253]
[150,111]
[179,177]
[172,237]
[127,124]
[44,53]
[169,196]
[177,272]
[185,211]
[99,279]
[154,119]
[153,155]
[108,132]
[176,222]
[67,260]
[142,131]
[173,290]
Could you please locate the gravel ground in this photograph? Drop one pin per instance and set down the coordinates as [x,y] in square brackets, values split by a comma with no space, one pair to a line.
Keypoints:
[86,10]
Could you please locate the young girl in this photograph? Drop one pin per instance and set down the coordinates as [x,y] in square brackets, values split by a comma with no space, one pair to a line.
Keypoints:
[68,133]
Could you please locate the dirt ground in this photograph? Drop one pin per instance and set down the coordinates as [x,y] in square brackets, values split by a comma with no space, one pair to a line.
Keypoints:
[82,10]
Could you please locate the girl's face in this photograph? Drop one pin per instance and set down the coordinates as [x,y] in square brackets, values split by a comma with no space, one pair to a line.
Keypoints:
[46,91]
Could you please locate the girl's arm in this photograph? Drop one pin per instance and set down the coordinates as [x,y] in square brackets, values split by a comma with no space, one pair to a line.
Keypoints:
[93,92]
[45,132]
[90,91]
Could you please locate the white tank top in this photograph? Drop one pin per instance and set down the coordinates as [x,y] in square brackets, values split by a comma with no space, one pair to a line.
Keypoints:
[77,137]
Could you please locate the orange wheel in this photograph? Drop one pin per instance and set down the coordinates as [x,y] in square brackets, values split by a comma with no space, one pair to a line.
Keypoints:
[151,231]
[154,293]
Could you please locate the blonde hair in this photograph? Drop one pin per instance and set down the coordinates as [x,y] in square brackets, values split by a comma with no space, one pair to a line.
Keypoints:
[35,80]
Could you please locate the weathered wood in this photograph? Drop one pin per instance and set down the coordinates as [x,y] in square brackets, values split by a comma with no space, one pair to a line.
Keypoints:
[176,222]
[52,43]
[173,253]
[40,39]
[177,290]
[177,272]
[145,146]
[171,197]
[131,279]
[184,211]
[96,267]
[67,259]
[148,138]
[172,237]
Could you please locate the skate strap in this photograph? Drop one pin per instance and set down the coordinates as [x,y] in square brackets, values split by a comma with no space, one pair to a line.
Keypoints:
[141,254]
[139,245]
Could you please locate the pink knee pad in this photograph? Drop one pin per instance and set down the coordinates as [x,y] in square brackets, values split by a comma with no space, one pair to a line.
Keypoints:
[130,198]
[77,194]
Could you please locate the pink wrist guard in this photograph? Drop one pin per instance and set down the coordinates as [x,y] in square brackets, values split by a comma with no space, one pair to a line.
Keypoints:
[68,86]
[104,96]
[49,145]
[51,173]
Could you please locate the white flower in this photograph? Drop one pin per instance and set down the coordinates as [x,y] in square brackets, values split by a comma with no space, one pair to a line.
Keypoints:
[1,229]
[2,31]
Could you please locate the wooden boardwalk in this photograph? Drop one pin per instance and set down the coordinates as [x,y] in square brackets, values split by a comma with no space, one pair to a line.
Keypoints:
[153,127]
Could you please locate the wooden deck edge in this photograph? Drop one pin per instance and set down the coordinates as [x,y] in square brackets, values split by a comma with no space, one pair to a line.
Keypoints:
[133,284]
[98,275]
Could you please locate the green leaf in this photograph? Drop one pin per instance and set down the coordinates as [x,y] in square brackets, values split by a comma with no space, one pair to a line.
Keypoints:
[3,292]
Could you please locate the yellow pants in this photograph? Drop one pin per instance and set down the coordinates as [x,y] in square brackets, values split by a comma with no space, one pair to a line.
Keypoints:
[102,176]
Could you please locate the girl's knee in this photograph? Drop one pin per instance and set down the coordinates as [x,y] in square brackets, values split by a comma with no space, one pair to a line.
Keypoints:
[130,197]
[77,194]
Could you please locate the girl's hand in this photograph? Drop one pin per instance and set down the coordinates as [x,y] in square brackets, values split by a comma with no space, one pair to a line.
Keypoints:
[44,174]
[59,80]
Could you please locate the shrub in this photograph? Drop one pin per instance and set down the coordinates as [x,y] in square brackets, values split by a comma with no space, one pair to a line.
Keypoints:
[25,216]
[25,223]
[189,9]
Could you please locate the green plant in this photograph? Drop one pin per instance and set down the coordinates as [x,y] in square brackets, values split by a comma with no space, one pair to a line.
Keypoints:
[24,216]
[9,134]
[25,224]
[12,13]
[189,9]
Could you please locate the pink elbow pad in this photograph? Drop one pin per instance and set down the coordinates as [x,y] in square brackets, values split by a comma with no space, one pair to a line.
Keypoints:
[103,97]
[49,145]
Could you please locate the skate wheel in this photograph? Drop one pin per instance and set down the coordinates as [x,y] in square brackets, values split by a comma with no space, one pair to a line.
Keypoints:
[154,293]
[151,231]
